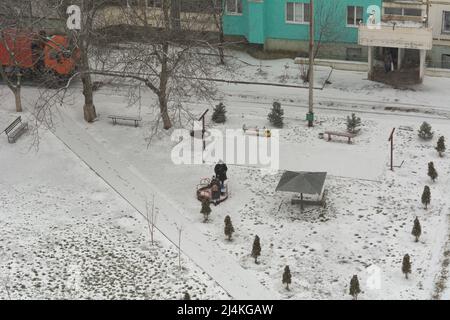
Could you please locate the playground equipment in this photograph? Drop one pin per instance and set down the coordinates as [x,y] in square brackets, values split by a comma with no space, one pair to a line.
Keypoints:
[211,190]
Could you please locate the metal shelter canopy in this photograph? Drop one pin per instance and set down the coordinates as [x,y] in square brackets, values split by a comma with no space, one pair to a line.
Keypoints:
[302,182]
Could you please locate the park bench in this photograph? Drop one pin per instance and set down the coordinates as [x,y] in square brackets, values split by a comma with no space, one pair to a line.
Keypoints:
[348,135]
[125,118]
[15,129]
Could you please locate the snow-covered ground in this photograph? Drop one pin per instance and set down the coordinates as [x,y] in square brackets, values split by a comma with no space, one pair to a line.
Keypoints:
[365,229]
[66,234]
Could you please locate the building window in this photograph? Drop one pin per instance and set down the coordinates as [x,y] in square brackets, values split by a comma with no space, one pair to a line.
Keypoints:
[446,22]
[446,61]
[354,15]
[234,6]
[410,12]
[297,12]
[154,3]
[394,11]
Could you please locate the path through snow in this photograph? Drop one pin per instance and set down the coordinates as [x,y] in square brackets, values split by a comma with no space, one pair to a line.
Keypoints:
[126,181]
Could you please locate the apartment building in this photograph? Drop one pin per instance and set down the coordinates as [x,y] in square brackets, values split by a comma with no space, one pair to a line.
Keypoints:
[439,20]
[284,24]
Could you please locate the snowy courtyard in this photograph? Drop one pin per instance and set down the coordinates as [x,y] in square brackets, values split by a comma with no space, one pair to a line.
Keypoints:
[73,207]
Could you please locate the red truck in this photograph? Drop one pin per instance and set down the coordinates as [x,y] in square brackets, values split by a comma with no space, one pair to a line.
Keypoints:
[35,54]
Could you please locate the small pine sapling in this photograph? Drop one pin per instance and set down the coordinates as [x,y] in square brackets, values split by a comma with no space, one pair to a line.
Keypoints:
[276,115]
[353,124]
[228,228]
[425,131]
[406,265]
[440,147]
[432,173]
[426,196]
[206,210]
[417,229]
[354,287]
[287,278]
[219,113]
[256,250]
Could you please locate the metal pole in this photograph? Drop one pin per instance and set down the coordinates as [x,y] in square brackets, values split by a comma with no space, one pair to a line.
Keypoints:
[392,154]
[391,139]
[311,64]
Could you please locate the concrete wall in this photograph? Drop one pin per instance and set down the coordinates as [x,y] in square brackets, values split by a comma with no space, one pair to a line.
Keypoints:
[438,72]
[338,51]
[434,56]
[436,10]
[363,66]
[337,64]
[114,15]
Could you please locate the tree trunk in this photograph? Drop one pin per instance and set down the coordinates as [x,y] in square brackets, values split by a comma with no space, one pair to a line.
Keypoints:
[18,99]
[221,41]
[221,53]
[88,109]
[162,95]
[175,14]
[167,123]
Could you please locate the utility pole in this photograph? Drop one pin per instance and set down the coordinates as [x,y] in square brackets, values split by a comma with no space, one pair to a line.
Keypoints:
[391,140]
[310,116]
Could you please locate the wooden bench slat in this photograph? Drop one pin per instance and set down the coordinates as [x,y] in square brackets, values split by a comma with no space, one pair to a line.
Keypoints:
[12,136]
[348,135]
[13,125]
[342,134]
[128,118]
[125,118]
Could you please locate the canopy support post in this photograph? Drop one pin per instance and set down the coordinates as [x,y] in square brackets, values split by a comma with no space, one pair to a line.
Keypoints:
[301,201]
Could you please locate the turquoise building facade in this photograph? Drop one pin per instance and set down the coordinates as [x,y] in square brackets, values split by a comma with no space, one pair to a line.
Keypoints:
[283,25]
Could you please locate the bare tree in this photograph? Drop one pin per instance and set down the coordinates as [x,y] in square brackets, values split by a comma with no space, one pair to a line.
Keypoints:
[151,218]
[218,10]
[85,38]
[180,231]
[5,283]
[15,35]
[172,63]
[328,22]
[328,29]
[134,45]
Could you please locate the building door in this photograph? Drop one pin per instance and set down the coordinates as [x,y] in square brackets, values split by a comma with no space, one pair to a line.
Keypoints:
[446,61]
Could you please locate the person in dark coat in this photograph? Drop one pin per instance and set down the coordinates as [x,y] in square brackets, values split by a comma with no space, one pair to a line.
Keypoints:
[221,171]
[387,63]
[215,189]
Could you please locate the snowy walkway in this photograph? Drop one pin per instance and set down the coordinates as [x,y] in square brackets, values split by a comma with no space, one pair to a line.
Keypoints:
[125,180]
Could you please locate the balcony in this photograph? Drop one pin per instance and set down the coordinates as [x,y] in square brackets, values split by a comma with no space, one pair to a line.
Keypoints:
[401,35]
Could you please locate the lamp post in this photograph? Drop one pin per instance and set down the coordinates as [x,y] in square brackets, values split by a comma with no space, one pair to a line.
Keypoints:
[310,115]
